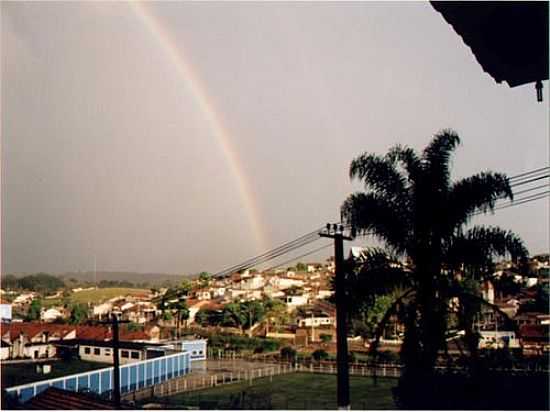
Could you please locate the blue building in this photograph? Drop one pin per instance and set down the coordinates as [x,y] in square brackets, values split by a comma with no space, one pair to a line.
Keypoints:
[135,375]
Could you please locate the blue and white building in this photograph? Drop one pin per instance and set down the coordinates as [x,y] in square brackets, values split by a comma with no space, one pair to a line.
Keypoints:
[133,376]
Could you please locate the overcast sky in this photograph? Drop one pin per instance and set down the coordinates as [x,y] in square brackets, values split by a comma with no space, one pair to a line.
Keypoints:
[107,152]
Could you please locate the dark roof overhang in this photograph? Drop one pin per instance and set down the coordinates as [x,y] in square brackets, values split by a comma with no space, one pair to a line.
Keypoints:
[509,39]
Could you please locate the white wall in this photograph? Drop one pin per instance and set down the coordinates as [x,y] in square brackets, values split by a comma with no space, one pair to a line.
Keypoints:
[106,354]
[5,311]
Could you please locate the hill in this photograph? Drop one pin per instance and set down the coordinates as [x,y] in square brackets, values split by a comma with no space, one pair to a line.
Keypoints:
[138,279]
[103,294]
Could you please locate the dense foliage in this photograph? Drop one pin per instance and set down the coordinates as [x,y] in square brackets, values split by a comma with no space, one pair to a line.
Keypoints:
[242,343]
[40,282]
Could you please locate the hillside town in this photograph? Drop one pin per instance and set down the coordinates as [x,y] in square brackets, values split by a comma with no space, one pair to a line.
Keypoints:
[293,305]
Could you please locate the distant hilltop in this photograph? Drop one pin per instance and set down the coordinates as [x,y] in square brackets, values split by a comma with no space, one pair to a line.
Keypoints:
[134,277]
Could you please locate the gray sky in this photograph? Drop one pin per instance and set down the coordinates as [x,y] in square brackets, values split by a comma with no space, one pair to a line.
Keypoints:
[106,150]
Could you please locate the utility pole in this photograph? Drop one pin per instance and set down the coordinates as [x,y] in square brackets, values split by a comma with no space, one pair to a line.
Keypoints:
[116,361]
[336,232]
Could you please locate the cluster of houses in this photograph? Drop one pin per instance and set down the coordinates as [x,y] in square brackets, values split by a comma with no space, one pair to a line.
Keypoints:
[40,340]
[293,288]
[307,289]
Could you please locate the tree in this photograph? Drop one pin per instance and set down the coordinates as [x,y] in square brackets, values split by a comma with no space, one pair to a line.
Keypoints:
[245,315]
[301,267]
[275,312]
[41,282]
[411,205]
[288,353]
[34,310]
[185,287]
[79,313]
[204,279]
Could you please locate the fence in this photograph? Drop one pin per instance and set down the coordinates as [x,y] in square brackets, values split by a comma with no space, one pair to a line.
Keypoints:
[192,383]
[198,382]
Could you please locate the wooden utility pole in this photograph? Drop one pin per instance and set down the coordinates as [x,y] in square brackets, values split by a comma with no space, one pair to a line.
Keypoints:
[336,232]
[114,322]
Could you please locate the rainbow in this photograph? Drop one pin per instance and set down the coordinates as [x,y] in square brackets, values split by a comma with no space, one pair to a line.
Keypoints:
[184,70]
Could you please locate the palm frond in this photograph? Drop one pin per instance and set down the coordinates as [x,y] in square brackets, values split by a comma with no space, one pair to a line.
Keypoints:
[379,215]
[407,158]
[477,193]
[378,174]
[480,244]
[438,153]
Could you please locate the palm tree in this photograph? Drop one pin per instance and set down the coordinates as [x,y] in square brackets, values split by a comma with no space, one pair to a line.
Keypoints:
[411,205]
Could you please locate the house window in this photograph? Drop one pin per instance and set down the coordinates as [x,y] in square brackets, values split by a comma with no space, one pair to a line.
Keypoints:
[107,352]
[135,355]
[201,352]
[124,354]
[97,351]
[87,350]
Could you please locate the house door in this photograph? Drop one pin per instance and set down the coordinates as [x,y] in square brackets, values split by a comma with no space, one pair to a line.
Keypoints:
[35,354]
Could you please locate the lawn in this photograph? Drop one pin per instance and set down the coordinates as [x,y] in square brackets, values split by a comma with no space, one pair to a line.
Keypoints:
[293,391]
[18,374]
[103,294]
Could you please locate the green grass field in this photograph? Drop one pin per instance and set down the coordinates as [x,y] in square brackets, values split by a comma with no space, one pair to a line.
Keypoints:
[101,295]
[294,391]
[18,374]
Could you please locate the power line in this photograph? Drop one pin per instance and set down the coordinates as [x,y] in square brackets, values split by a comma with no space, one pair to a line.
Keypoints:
[311,252]
[530,189]
[264,257]
[517,180]
[529,180]
[530,172]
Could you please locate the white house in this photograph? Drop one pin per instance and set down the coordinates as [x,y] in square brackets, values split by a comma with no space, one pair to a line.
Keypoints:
[218,292]
[498,339]
[532,282]
[4,350]
[252,283]
[323,294]
[285,283]
[50,315]
[5,311]
[317,321]
[102,309]
[24,298]
[296,300]
[312,267]
[203,294]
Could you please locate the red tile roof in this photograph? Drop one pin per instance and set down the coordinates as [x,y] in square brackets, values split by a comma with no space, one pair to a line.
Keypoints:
[31,329]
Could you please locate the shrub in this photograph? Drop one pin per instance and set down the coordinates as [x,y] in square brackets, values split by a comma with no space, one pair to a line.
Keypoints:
[319,354]
[288,353]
